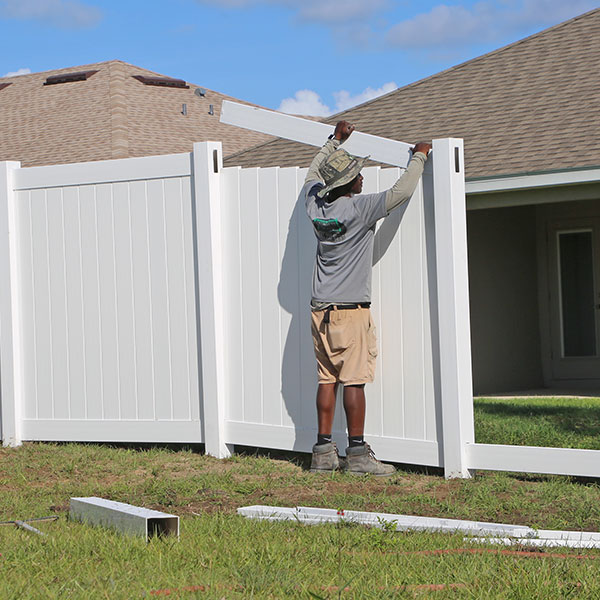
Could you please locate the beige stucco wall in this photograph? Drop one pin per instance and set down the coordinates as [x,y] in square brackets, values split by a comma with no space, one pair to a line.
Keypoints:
[505,332]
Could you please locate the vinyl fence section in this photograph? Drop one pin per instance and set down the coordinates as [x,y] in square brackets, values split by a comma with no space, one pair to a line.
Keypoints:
[166,299]
[269,248]
[104,303]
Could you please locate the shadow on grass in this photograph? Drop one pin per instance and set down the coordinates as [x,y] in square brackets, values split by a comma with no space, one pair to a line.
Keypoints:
[591,482]
[303,459]
[300,459]
[135,446]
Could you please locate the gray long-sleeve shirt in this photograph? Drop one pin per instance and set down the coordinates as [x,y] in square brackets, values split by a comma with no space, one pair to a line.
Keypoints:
[345,230]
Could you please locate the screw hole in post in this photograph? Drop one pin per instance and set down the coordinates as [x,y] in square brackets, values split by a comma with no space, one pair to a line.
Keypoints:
[215,161]
[456,160]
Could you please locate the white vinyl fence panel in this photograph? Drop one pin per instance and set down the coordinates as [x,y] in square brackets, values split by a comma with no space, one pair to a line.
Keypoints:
[108,307]
[269,248]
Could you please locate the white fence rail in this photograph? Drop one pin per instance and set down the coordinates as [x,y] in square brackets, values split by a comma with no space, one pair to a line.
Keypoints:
[166,299]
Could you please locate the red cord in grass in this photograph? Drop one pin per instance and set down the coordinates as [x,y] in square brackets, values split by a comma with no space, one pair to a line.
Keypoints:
[193,588]
[434,587]
[523,553]
[189,588]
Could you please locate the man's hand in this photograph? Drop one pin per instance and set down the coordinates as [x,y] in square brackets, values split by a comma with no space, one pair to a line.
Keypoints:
[423,147]
[343,130]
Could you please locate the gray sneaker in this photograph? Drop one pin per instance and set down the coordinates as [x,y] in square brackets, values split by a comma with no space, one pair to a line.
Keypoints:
[361,460]
[325,458]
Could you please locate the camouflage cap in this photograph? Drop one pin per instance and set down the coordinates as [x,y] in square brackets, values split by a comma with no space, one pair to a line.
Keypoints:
[339,168]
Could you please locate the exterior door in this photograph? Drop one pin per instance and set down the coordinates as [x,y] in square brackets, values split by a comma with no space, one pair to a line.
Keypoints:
[574,254]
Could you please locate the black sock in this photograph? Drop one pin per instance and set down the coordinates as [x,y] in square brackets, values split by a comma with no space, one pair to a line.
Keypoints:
[323,439]
[356,440]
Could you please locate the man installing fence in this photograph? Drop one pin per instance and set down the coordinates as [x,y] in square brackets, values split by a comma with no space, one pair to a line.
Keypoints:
[343,333]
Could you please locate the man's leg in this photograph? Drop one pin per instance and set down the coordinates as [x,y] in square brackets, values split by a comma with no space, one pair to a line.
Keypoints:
[325,456]
[354,406]
[326,393]
[360,458]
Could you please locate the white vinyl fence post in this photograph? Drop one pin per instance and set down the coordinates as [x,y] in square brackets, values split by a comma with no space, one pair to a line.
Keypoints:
[453,304]
[10,389]
[207,165]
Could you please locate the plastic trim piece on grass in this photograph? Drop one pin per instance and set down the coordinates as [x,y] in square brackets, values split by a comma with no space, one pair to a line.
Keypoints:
[497,533]
[570,539]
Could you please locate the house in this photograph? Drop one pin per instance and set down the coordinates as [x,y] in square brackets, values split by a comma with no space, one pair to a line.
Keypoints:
[108,110]
[528,113]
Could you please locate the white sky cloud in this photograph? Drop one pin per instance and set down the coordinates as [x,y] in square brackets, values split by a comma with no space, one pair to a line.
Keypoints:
[448,24]
[305,102]
[334,11]
[485,21]
[331,12]
[65,14]
[309,103]
[17,72]
[547,12]
[344,99]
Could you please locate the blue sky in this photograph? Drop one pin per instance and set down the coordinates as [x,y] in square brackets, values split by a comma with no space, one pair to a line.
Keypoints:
[302,56]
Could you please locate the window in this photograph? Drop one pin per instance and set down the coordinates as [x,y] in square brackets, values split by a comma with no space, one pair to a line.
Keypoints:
[576,277]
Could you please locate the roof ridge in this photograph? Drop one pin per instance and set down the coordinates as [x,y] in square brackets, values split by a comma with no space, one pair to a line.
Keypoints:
[470,61]
[119,136]
[129,66]
[104,62]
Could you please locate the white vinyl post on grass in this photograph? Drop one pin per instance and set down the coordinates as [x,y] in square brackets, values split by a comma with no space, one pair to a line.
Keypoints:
[126,518]
[456,384]
[207,164]
[10,389]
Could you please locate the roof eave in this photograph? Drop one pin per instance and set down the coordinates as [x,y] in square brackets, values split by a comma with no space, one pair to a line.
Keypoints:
[525,181]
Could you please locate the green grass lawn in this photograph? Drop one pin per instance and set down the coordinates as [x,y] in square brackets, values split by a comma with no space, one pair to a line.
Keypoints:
[554,422]
[221,555]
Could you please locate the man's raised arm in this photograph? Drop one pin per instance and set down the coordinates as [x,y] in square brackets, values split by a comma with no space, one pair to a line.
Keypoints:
[342,132]
[403,189]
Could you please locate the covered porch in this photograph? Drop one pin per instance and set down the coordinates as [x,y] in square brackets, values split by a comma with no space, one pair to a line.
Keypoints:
[534,281]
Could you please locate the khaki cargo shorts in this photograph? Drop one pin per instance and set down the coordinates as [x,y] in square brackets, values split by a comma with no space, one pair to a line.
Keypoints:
[346,347]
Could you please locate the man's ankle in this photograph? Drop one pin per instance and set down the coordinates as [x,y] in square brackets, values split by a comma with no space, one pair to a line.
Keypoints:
[356,440]
[323,439]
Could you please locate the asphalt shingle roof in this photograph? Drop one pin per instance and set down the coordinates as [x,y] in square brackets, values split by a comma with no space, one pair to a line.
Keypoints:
[528,107]
[109,115]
